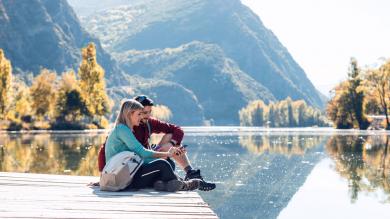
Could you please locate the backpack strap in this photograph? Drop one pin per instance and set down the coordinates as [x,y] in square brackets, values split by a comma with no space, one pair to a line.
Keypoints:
[149,129]
[149,134]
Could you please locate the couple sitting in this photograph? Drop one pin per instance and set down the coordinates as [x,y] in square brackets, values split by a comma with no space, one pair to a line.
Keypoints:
[132,131]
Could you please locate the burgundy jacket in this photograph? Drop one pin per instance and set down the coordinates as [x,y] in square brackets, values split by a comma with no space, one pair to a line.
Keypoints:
[142,134]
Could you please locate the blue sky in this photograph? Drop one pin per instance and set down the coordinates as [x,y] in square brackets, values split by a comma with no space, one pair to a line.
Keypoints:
[322,35]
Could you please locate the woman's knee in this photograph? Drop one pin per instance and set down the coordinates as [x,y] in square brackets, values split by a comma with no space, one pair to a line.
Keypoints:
[162,164]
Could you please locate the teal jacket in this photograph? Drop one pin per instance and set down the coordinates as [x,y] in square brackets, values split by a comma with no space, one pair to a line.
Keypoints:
[122,139]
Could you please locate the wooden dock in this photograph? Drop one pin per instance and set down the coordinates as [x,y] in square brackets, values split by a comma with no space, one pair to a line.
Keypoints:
[25,195]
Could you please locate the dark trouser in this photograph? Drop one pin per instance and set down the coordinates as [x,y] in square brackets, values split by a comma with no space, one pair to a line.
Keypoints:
[147,174]
[155,148]
[172,163]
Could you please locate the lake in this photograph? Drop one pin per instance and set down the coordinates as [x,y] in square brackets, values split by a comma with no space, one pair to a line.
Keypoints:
[260,173]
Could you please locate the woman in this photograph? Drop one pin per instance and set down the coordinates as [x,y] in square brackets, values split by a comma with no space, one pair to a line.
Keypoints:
[154,172]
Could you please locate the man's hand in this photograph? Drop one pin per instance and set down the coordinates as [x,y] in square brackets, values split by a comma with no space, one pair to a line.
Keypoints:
[173,151]
[180,151]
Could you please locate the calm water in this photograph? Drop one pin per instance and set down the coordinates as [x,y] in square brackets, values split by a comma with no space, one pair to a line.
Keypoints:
[307,173]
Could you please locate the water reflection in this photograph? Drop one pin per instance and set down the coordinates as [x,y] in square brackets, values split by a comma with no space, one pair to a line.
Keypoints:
[287,145]
[73,154]
[257,174]
[364,161]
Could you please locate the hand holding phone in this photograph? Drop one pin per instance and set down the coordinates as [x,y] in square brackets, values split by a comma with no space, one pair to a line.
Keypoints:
[182,150]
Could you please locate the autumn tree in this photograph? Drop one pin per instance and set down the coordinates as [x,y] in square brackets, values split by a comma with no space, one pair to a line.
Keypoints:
[345,108]
[378,82]
[70,105]
[43,94]
[253,114]
[285,113]
[92,84]
[162,112]
[21,101]
[5,83]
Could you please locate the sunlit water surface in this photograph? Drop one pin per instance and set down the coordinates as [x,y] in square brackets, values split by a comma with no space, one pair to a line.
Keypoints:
[260,173]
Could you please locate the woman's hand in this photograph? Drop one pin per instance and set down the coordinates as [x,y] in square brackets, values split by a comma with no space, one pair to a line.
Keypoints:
[173,151]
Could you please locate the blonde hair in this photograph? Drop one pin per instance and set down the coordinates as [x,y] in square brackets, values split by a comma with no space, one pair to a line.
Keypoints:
[127,106]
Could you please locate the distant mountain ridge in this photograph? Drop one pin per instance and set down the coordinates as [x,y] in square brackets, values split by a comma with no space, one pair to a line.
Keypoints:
[151,24]
[203,69]
[204,59]
[39,34]
[182,102]
[46,34]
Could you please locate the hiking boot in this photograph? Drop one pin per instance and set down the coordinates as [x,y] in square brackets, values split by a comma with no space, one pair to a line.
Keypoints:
[191,184]
[159,185]
[193,174]
[206,186]
[170,186]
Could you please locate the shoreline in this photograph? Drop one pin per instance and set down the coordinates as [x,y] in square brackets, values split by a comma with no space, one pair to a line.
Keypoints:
[220,130]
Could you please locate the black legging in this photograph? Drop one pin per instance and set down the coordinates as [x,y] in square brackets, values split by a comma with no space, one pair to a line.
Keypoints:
[147,174]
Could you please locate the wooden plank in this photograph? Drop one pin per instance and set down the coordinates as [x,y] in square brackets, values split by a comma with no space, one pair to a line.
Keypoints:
[61,196]
[99,215]
[85,191]
[46,176]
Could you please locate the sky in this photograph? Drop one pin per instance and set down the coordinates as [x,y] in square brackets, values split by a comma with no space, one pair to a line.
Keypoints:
[323,35]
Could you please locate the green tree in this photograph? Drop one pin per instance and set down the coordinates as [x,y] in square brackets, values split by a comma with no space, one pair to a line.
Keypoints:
[253,114]
[5,83]
[277,121]
[339,107]
[43,94]
[92,84]
[290,112]
[283,118]
[300,108]
[345,108]
[271,115]
[70,106]
[356,94]
[258,113]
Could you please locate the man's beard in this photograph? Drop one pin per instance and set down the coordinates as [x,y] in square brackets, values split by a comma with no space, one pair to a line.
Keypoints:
[143,121]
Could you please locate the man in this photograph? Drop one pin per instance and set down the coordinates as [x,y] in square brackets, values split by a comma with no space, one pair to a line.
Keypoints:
[173,135]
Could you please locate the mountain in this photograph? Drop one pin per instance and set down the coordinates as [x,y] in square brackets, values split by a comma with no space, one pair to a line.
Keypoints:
[39,34]
[204,59]
[160,24]
[221,87]
[182,102]
[46,34]
[89,7]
